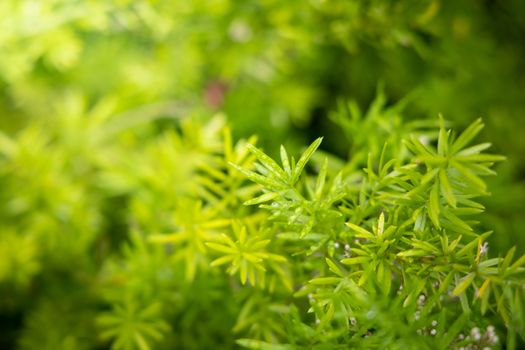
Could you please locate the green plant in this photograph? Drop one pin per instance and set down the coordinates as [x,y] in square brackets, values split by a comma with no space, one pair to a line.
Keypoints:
[389,256]
[160,220]
[137,211]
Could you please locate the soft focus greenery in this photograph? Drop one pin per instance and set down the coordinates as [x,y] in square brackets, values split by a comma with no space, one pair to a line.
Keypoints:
[139,211]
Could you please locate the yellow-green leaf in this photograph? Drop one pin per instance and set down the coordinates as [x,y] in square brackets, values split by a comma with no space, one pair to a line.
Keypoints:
[222,260]
[301,163]
[334,268]
[325,280]
[446,188]
[221,248]
[262,198]
[463,284]
[361,231]
[356,260]
[433,206]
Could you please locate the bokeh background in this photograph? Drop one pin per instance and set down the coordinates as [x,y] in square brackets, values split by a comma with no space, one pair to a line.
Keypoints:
[278,69]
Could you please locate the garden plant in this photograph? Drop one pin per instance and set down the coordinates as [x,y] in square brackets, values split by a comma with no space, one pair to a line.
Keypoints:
[214,174]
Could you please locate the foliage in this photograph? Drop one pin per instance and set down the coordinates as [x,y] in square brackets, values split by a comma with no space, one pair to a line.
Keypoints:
[409,255]
[138,212]
[393,241]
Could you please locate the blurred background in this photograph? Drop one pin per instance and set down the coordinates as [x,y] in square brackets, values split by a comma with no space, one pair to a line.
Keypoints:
[278,69]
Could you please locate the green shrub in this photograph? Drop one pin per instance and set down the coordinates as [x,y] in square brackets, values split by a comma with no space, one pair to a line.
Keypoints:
[131,219]
[188,239]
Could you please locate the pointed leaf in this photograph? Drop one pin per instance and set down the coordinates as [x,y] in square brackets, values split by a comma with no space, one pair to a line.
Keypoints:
[286,162]
[356,260]
[334,268]
[361,231]
[467,135]
[301,163]
[464,284]
[433,206]
[267,161]
[262,198]
[321,179]
[446,189]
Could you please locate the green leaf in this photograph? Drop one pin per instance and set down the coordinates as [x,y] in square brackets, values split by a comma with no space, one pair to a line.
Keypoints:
[334,268]
[519,262]
[412,252]
[433,207]
[267,161]
[469,175]
[485,300]
[262,198]
[385,278]
[480,158]
[453,330]
[446,189]
[356,260]
[222,260]
[467,135]
[260,179]
[221,248]
[508,258]
[286,162]
[325,280]
[442,138]
[416,147]
[474,149]
[261,345]
[466,250]
[360,231]
[321,180]
[456,223]
[464,284]
[484,287]
[143,345]
[243,271]
[301,163]
[328,316]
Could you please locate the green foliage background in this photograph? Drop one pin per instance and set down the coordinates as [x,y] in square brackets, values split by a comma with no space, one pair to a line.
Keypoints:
[116,143]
